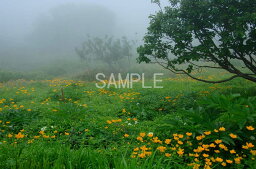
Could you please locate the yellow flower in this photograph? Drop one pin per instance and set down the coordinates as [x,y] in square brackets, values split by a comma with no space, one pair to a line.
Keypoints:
[109,122]
[53,136]
[29,109]
[189,134]
[200,137]
[140,139]
[142,134]
[144,148]
[180,152]
[55,131]
[233,135]
[19,135]
[150,134]
[229,161]
[161,148]
[45,136]
[253,152]
[9,135]
[205,155]
[136,149]
[222,129]
[66,133]
[41,132]
[167,141]
[142,155]
[212,145]
[224,164]
[207,132]
[168,155]
[36,137]
[217,151]
[237,160]
[218,159]
[249,145]
[232,151]
[126,135]
[218,141]
[250,128]
[180,142]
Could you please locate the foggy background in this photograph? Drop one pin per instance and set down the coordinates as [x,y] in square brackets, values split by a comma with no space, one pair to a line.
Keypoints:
[34,33]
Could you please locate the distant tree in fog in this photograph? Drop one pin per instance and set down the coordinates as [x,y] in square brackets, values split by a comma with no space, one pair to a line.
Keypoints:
[109,50]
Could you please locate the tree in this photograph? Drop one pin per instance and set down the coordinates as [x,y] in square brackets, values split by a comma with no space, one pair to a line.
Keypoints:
[107,49]
[198,34]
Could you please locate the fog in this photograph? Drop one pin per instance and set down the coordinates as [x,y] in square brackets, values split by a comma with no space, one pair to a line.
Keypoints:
[35,32]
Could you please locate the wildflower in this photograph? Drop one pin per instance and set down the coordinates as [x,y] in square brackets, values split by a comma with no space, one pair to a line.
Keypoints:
[161,148]
[232,151]
[136,149]
[237,160]
[222,129]
[167,155]
[167,141]
[224,164]
[216,131]
[207,132]
[218,159]
[109,122]
[212,145]
[180,135]
[150,134]
[66,133]
[126,135]
[217,151]
[180,142]
[205,155]
[253,152]
[29,109]
[142,134]
[250,128]
[233,135]
[229,161]
[41,132]
[55,131]
[249,145]
[36,137]
[140,139]
[19,135]
[180,152]
[45,136]
[53,136]
[189,134]
[144,148]
[200,137]
[218,141]
[142,155]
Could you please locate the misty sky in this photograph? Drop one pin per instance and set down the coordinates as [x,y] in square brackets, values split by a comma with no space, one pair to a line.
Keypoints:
[40,30]
[18,17]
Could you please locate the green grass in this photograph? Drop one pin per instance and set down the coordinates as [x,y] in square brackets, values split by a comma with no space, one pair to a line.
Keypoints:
[79,112]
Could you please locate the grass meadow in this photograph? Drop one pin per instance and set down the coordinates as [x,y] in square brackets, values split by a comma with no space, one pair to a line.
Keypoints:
[71,124]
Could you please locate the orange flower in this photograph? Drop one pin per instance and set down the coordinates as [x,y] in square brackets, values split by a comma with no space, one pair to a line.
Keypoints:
[189,134]
[233,135]
[126,135]
[250,128]
[167,141]
[161,148]
[222,129]
[167,155]
[19,135]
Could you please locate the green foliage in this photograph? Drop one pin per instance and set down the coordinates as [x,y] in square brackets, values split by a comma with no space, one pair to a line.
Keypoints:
[198,33]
